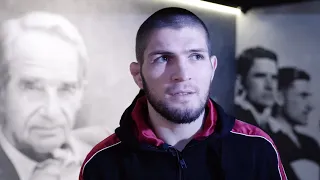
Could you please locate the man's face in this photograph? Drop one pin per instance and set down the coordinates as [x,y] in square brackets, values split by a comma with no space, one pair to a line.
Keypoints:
[43,92]
[177,72]
[261,82]
[297,105]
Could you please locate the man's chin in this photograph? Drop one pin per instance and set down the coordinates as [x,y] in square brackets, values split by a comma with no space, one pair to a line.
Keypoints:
[267,102]
[303,123]
[182,109]
[184,115]
[185,104]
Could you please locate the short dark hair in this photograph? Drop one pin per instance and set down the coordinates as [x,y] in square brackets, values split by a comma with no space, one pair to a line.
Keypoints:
[287,75]
[172,17]
[248,56]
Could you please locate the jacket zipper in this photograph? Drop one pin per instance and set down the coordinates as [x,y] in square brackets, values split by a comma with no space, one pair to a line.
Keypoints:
[182,165]
[181,161]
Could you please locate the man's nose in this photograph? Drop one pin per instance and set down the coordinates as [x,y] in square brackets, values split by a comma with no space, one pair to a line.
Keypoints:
[181,71]
[309,106]
[51,107]
[268,83]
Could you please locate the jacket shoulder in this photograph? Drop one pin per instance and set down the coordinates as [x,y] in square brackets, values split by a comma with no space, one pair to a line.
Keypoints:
[253,137]
[262,146]
[99,155]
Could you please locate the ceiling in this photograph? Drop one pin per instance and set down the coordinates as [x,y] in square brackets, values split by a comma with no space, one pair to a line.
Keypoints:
[247,5]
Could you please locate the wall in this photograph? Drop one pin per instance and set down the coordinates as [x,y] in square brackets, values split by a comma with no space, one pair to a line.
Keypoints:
[109,29]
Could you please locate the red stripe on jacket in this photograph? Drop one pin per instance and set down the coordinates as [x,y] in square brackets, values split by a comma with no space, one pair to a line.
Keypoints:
[249,130]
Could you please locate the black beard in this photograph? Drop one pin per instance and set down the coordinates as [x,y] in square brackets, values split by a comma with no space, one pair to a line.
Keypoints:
[176,116]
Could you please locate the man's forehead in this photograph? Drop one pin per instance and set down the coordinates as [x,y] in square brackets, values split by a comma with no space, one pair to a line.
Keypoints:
[168,37]
[47,82]
[38,73]
[42,55]
[264,65]
[301,85]
[38,47]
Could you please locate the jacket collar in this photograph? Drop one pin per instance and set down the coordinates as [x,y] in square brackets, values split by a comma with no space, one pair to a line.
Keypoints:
[135,129]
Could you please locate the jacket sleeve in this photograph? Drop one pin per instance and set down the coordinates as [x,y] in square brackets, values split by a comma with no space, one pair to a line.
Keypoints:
[268,162]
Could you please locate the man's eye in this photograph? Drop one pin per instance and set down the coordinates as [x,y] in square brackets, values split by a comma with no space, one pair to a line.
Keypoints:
[68,88]
[259,75]
[30,85]
[197,57]
[305,95]
[162,59]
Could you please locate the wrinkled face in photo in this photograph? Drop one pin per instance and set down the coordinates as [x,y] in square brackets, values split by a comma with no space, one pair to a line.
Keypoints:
[43,92]
[261,82]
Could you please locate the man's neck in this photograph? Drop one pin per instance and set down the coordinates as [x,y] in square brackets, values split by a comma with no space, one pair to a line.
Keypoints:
[176,135]
[261,115]
[258,108]
[284,123]
[288,129]
[285,119]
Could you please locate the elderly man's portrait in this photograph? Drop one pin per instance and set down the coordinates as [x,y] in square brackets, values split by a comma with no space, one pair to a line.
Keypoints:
[43,75]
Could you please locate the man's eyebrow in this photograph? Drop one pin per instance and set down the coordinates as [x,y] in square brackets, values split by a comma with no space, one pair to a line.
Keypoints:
[29,79]
[157,52]
[197,50]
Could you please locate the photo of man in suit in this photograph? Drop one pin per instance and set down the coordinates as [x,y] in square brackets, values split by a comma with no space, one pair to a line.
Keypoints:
[258,75]
[300,153]
[43,67]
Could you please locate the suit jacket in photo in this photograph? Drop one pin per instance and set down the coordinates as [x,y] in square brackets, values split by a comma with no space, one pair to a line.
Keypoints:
[290,152]
[7,169]
[9,163]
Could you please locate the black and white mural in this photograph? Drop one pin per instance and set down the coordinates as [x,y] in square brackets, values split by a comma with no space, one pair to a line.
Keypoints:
[276,86]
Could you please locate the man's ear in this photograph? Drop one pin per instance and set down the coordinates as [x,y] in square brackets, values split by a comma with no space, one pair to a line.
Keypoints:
[238,83]
[135,72]
[214,64]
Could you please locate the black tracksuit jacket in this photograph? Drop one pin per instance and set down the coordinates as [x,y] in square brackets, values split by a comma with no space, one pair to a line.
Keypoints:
[226,149]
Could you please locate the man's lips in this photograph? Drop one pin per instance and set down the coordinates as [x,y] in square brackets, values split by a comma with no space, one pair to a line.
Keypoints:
[181,93]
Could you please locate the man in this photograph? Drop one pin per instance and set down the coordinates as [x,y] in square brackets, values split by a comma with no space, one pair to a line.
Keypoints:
[172,129]
[258,70]
[295,106]
[43,72]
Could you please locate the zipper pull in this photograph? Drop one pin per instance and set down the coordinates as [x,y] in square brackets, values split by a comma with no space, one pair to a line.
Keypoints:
[183,163]
[173,151]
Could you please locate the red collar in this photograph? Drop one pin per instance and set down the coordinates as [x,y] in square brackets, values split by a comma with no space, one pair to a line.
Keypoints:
[145,133]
